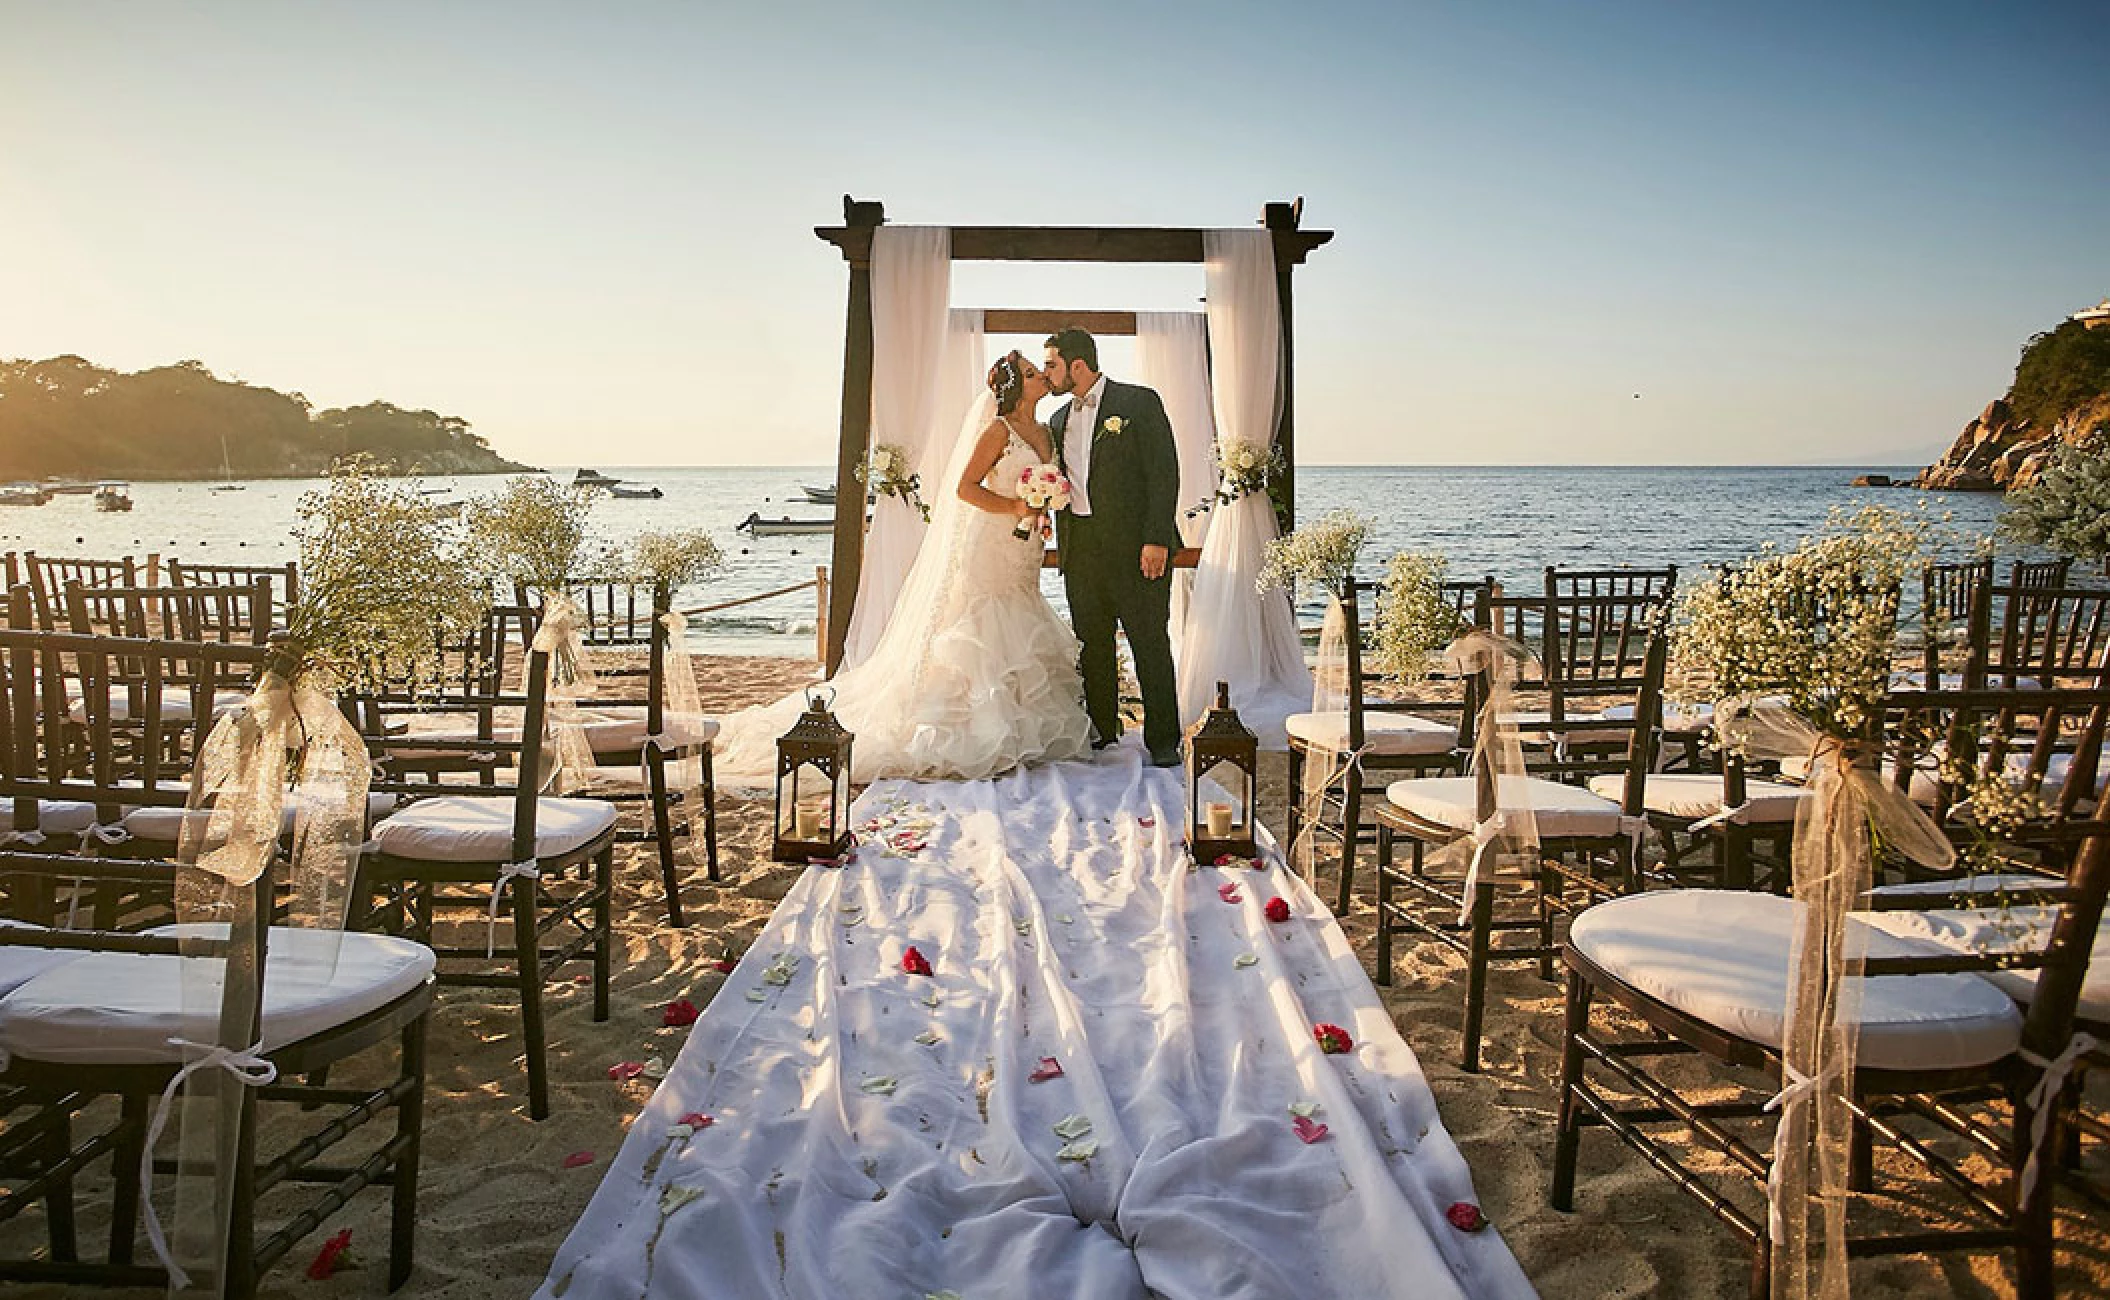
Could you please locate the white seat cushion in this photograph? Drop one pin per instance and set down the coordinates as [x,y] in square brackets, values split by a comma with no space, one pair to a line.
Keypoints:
[56,817]
[1954,682]
[20,964]
[1677,716]
[1700,795]
[120,1008]
[623,731]
[1569,733]
[175,703]
[2020,927]
[472,828]
[165,825]
[1721,956]
[1393,734]
[1560,810]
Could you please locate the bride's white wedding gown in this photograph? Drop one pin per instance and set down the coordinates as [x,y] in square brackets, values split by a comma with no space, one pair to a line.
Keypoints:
[977,680]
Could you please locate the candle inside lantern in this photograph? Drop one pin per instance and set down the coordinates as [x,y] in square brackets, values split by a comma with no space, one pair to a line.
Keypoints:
[807,821]
[1218,818]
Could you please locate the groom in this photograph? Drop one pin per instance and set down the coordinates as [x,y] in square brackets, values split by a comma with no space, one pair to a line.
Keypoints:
[1114,444]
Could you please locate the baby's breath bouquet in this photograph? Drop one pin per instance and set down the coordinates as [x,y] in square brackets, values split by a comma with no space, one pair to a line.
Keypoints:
[1816,624]
[382,581]
[675,559]
[888,474]
[1413,620]
[1321,554]
[1245,468]
[2067,508]
[532,531]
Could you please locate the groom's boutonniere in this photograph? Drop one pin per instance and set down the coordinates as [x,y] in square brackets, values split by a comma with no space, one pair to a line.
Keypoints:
[1111,426]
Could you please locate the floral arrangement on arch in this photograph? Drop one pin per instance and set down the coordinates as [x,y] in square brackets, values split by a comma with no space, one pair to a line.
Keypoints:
[1320,554]
[1245,468]
[888,474]
[1413,620]
[1816,624]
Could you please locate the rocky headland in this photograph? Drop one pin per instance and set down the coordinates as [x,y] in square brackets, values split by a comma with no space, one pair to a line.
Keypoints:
[2060,396]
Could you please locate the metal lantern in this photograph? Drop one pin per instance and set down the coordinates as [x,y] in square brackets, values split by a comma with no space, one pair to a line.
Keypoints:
[1223,783]
[813,785]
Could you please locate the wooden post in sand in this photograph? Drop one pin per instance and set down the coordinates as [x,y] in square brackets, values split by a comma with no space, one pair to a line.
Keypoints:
[820,617]
[860,221]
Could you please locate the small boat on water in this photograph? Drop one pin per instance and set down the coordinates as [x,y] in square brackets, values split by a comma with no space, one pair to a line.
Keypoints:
[23,494]
[593,478]
[623,492]
[111,498]
[825,496]
[756,526]
[67,487]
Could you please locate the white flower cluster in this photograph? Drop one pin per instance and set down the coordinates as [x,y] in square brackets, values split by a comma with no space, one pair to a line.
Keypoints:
[675,558]
[888,474]
[1245,468]
[1322,553]
[2067,508]
[1816,624]
[1413,620]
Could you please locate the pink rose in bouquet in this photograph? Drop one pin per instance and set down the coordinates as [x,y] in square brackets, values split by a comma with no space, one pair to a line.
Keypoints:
[1044,488]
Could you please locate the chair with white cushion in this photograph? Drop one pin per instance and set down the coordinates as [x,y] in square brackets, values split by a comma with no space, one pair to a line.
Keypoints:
[1588,842]
[1370,737]
[47,575]
[475,851]
[1951,1071]
[87,1014]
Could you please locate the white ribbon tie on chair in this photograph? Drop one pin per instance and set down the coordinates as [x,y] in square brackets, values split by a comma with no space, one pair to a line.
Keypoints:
[528,870]
[1726,815]
[1484,834]
[1798,1090]
[249,1067]
[2043,1098]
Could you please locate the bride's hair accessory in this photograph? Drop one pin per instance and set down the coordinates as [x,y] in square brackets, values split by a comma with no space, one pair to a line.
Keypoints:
[1007,380]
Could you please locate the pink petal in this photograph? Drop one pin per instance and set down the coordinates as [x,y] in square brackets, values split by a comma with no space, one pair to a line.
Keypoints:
[697,1121]
[626,1070]
[1309,1132]
[725,965]
[1146,822]
[1050,1068]
[1227,892]
[578,1159]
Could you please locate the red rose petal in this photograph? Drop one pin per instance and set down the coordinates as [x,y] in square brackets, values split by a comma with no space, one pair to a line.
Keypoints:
[1278,910]
[1309,1132]
[678,1014]
[324,1265]
[1227,861]
[915,963]
[622,1070]
[1465,1216]
[578,1159]
[1333,1040]
[1227,892]
[1146,822]
[697,1121]
[725,965]
[1050,1068]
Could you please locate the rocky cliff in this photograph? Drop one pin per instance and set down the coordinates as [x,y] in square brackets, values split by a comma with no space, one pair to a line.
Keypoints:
[1998,451]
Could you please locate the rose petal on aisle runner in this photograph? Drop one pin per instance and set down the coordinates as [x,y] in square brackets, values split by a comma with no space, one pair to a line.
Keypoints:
[1106,1117]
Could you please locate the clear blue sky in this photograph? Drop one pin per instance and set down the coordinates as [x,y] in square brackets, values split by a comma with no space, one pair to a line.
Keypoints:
[1801,233]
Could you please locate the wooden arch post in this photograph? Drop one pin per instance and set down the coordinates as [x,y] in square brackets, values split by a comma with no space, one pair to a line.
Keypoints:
[1018,244]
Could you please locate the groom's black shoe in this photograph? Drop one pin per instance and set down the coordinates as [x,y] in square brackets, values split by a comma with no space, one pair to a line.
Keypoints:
[1098,743]
[1168,758]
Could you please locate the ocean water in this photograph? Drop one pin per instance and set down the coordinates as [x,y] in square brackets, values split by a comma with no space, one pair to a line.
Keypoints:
[1508,522]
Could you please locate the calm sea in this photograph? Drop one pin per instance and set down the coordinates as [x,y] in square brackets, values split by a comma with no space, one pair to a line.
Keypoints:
[1502,521]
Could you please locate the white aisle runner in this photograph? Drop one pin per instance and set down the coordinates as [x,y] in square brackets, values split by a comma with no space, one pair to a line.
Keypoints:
[876,1133]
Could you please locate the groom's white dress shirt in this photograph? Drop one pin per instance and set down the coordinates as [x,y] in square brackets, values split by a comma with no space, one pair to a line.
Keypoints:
[1077,450]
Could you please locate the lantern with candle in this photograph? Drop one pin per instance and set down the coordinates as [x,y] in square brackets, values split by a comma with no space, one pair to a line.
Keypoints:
[1223,783]
[813,785]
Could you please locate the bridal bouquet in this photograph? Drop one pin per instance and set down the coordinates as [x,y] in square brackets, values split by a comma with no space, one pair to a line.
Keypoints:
[1044,488]
[889,475]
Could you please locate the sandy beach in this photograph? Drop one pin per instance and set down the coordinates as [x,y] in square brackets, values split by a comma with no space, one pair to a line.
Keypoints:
[498,1197]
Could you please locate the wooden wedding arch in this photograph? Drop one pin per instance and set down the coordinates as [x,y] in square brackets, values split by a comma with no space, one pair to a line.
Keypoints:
[1019,244]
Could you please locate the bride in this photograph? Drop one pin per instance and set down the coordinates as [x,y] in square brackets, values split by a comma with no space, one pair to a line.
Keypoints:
[974,674]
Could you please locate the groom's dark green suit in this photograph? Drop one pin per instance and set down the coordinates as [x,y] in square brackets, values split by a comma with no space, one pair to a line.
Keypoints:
[1133,490]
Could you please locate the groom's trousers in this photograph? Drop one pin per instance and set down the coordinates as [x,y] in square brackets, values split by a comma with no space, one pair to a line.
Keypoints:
[1100,597]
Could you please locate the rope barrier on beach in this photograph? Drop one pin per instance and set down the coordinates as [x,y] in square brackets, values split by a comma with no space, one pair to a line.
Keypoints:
[807,585]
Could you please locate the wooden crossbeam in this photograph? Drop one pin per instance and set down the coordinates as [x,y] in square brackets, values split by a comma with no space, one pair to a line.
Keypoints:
[1046,320]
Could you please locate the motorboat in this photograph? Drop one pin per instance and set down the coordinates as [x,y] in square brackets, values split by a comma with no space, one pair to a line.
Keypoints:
[111,498]
[23,494]
[756,526]
[623,492]
[593,478]
[825,496]
[67,487]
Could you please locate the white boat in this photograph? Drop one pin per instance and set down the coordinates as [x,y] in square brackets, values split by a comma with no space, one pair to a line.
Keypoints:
[824,496]
[23,494]
[756,526]
[226,483]
[111,498]
[623,492]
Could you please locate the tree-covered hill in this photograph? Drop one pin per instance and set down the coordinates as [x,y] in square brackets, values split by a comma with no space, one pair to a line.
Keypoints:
[69,418]
[2060,396]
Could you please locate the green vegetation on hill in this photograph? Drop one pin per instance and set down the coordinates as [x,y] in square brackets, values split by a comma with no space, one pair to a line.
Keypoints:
[69,418]
[2062,371]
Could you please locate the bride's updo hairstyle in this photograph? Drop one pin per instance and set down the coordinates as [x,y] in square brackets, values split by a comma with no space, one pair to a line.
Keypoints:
[1007,379]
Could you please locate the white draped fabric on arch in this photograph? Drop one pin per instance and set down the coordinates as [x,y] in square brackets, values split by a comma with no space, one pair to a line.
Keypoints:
[1233,632]
[1172,357]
